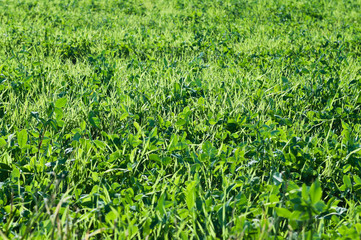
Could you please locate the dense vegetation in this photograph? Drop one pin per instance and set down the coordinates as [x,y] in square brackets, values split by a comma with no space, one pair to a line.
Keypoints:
[201,119]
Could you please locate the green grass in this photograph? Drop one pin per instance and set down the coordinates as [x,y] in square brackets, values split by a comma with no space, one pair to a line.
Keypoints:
[180,119]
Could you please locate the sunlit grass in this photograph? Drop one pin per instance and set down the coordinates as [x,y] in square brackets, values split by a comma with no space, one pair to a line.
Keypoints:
[180,119]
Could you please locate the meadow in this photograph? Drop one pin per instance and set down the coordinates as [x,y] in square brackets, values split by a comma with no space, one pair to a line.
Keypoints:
[180,119]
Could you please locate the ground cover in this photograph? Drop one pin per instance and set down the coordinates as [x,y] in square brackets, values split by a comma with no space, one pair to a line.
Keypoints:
[180,119]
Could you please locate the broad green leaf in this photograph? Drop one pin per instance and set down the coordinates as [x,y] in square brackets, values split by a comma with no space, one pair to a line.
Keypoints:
[115,155]
[123,116]
[190,194]
[153,133]
[347,181]
[2,143]
[346,168]
[60,123]
[94,121]
[22,138]
[58,114]
[61,102]
[139,197]
[180,122]
[212,121]
[320,206]
[160,205]
[273,199]
[183,213]
[166,160]
[283,212]
[201,101]
[112,215]
[154,157]
[101,145]
[136,125]
[356,178]
[83,125]
[343,187]
[295,215]
[315,192]
[95,176]
[15,174]
[358,228]
[304,192]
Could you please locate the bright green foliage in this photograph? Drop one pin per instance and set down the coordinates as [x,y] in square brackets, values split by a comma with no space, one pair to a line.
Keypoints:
[180,119]
[22,138]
